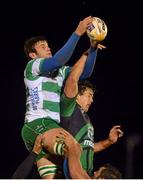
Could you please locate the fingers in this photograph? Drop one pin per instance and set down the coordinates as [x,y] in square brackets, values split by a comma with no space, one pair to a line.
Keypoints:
[94,43]
[88,20]
[120,133]
[60,139]
[62,136]
[82,26]
[100,46]
[64,133]
[115,133]
[38,139]
[117,126]
[116,129]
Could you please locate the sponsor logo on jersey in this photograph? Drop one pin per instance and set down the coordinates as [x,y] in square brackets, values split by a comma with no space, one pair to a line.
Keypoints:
[90,133]
[34,97]
[88,143]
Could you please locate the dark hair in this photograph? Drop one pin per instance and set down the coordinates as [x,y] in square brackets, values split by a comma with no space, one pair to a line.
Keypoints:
[30,43]
[83,85]
[109,172]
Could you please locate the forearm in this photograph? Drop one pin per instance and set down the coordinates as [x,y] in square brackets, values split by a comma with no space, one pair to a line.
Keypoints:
[101,145]
[74,151]
[78,68]
[62,56]
[71,86]
[75,168]
[25,167]
[90,63]
[66,51]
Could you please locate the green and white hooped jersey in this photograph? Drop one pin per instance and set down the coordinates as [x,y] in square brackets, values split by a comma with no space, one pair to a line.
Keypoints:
[43,93]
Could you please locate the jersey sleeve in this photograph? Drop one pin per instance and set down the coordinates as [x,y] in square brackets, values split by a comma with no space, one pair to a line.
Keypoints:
[24,169]
[32,70]
[67,105]
[90,63]
[61,57]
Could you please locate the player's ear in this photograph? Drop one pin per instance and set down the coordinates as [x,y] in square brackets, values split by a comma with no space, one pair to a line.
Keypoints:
[32,55]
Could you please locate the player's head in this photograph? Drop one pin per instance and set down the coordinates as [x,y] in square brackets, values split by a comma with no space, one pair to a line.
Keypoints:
[37,47]
[107,171]
[85,94]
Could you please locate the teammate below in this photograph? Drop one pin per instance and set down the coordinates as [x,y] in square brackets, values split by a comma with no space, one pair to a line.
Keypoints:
[73,154]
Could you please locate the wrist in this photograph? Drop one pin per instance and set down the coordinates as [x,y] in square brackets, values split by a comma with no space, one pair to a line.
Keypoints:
[86,53]
[35,152]
[93,43]
[78,33]
[110,140]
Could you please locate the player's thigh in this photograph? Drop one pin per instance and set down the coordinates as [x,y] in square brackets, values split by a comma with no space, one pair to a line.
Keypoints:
[50,140]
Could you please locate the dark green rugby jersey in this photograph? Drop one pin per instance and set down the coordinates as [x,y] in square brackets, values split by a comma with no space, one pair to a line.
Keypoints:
[75,121]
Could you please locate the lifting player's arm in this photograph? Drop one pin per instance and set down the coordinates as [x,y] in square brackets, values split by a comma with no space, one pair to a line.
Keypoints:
[24,169]
[73,152]
[114,134]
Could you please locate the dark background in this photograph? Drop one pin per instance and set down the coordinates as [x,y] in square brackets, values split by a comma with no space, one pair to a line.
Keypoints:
[117,74]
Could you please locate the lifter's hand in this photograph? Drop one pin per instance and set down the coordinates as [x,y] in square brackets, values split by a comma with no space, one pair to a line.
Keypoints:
[72,147]
[96,44]
[38,144]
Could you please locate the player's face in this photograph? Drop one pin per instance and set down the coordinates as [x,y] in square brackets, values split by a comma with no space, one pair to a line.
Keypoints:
[43,50]
[85,100]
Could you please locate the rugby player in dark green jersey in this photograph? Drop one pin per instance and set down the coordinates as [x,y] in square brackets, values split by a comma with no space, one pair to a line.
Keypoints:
[76,100]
